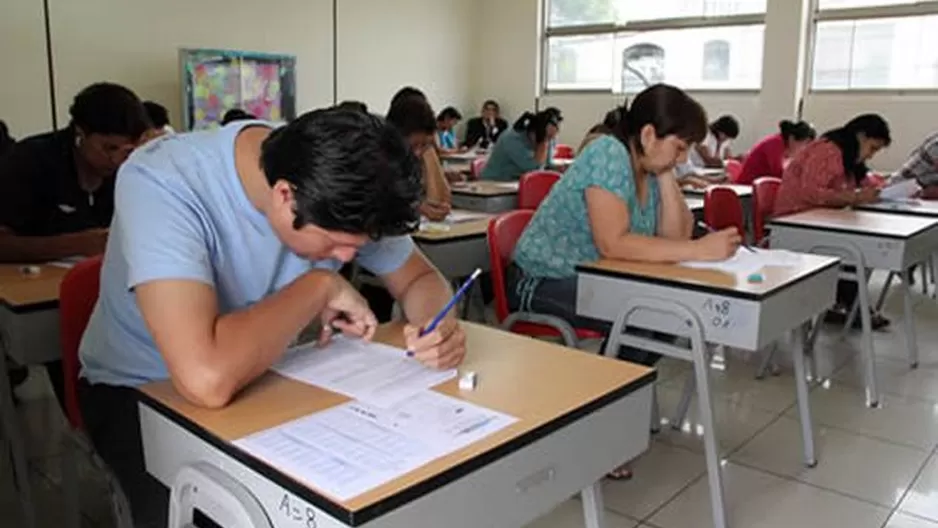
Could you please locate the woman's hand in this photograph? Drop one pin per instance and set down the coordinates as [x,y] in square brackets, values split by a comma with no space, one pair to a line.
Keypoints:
[443,348]
[719,245]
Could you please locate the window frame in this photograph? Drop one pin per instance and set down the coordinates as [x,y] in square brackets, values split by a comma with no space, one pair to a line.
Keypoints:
[638,26]
[862,14]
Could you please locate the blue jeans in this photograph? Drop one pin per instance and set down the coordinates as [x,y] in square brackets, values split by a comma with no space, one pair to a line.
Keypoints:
[557,297]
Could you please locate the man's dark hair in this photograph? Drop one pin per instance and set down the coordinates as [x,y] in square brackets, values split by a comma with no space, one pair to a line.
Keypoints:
[236,114]
[405,93]
[412,116]
[111,109]
[159,116]
[353,106]
[727,125]
[350,172]
[449,113]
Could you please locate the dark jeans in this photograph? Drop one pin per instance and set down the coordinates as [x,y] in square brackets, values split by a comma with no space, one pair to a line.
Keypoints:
[112,421]
[557,297]
[57,379]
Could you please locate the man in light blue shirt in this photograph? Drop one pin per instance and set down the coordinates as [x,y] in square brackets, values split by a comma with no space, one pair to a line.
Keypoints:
[224,246]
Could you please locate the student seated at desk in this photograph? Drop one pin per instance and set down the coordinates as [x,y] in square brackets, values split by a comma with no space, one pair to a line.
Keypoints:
[413,117]
[446,122]
[484,131]
[830,172]
[619,200]
[522,149]
[159,118]
[922,166]
[770,155]
[600,129]
[715,148]
[224,247]
[57,188]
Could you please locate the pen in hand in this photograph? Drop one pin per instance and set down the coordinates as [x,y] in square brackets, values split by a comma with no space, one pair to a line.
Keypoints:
[460,293]
[709,229]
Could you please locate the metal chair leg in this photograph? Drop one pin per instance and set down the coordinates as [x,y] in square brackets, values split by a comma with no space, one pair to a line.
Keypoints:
[593,509]
[911,341]
[801,389]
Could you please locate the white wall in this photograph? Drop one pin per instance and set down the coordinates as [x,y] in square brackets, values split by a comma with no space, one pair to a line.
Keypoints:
[24,86]
[383,46]
[506,70]
[95,40]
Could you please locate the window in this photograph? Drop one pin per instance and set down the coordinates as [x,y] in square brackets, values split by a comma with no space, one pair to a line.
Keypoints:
[625,45]
[858,48]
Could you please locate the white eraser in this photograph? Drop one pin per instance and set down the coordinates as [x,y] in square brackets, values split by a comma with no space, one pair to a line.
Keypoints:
[30,270]
[467,381]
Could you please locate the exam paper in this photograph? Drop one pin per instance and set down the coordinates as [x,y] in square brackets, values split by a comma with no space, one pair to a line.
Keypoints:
[371,372]
[352,448]
[458,217]
[903,190]
[746,262]
[67,262]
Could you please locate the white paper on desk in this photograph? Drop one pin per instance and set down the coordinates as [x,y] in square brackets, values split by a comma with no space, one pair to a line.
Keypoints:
[900,191]
[458,217]
[352,448]
[508,186]
[372,372]
[67,262]
[746,262]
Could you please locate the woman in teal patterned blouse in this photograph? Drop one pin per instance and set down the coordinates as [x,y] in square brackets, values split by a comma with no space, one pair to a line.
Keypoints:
[619,200]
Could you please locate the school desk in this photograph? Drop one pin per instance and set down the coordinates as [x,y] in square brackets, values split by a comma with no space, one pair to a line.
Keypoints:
[868,241]
[29,333]
[579,416]
[722,309]
[458,250]
[486,196]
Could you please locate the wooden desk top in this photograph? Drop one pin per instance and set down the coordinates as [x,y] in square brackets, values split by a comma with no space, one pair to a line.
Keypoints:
[24,292]
[744,191]
[486,188]
[775,278]
[888,225]
[457,231]
[927,208]
[545,386]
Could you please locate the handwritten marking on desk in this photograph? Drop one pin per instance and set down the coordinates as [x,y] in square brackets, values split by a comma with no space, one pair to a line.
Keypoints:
[295,510]
[719,313]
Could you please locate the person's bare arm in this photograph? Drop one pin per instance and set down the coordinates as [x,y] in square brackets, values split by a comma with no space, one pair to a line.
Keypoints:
[610,222]
[436,187]
[540,153]
[711,159]
[29,249]
[210,357]
[675,220]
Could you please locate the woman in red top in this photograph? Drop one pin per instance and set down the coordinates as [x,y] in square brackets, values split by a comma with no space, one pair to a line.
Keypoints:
[768,157]
[830,173]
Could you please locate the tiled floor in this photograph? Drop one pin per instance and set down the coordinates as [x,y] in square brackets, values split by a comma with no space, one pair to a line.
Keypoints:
[878,468]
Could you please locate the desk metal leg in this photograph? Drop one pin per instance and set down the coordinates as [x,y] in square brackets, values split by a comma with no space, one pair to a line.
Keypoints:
[14,434]
[933,264]
[593,509]
[882,294]
[801,389]
[711,445]
[866,340]
[911,342]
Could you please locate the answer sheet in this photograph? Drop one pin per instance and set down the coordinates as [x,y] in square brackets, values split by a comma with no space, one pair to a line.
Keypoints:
[352,448]
[746,262]
[903,190]
[370,372]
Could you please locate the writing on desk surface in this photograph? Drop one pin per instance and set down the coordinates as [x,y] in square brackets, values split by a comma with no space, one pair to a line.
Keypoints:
[295,510]
[719,313]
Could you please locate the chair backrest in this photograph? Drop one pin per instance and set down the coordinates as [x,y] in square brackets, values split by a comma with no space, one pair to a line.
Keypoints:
[764,191]
[733,168]
[723,208]
[503,234]
[562,151]
[534,187]
[475,168]
[78,294]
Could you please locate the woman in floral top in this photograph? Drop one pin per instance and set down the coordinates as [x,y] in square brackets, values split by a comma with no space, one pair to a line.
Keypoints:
[830,172]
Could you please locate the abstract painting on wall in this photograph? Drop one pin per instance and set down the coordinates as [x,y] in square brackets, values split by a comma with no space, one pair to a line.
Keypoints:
[215,81]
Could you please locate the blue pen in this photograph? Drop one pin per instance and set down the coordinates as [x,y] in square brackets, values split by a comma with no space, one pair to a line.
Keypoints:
[449,306]
[709,229]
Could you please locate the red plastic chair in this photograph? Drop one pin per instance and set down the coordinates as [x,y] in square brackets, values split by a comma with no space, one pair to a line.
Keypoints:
[562,151]
[733,168]
[78,293]
[534,187]
[475,168]
[764,191]
[723,208]
[503,234]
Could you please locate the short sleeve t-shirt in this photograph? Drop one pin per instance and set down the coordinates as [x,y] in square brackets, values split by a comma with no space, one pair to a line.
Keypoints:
[766,158]
[39,190]
[511,157]
[559,236]
[182,213]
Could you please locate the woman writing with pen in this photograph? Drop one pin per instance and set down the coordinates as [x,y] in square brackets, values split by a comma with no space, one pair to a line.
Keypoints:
[618,200]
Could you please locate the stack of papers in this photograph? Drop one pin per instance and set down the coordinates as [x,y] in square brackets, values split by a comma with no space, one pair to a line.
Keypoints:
[747,262]
[352,448]
[903,190]
[372,372]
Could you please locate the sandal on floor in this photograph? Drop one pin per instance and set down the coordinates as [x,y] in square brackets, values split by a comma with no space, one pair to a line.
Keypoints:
[620,474]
